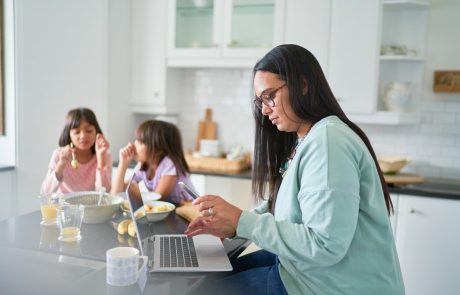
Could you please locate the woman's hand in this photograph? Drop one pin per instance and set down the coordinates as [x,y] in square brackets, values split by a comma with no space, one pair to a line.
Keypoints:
[102,146]
[126,155]
[218,217]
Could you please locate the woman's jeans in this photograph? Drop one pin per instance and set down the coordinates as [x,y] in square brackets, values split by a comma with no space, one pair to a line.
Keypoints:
[255,273]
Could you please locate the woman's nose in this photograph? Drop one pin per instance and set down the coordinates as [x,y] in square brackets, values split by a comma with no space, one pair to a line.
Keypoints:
[265,109]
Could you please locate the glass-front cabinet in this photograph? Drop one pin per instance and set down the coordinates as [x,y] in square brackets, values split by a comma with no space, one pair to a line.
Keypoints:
[220,29]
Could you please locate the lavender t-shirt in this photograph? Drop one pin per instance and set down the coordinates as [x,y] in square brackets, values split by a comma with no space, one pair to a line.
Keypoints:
[166,168]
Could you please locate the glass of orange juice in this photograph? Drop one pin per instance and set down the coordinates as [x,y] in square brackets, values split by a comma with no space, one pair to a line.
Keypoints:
[70,217]
[49,203]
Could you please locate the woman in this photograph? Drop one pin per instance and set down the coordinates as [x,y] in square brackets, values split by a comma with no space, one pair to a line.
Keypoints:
[325,227]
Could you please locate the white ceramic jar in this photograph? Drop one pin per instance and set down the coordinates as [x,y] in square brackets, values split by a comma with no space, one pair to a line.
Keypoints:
[397,96]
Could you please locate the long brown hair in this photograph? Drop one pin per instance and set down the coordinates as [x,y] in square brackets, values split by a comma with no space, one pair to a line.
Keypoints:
[162,139]
[73,120]
[295,65]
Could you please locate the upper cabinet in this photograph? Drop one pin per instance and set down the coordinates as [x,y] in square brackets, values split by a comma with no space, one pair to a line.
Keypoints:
[376,59]
[353,54]
[152,83]
[402,51]
[222,33]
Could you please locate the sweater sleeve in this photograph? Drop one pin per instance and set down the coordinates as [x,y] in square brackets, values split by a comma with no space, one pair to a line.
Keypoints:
[320,213]
[51,184]
[104,175]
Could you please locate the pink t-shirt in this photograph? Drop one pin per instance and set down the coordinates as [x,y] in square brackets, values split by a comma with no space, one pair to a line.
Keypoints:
[85,178]
[166,168]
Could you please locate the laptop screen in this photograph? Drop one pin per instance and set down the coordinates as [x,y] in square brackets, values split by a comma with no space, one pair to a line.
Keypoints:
[134,198]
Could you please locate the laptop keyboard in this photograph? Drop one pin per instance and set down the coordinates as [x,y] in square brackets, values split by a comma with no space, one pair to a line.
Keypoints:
[177,252]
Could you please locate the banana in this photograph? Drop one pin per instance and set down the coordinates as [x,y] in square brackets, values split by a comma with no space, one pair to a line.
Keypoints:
[132,230]
[123,226]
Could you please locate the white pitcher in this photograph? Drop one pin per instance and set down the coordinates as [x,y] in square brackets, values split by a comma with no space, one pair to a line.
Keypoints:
[397,96]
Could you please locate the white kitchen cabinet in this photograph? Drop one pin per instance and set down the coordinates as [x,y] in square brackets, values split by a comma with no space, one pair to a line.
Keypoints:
[307,23]
[404,25]
[428,243]
[353,54]
[235,190]
[358,74]
[153,84]
[222,33]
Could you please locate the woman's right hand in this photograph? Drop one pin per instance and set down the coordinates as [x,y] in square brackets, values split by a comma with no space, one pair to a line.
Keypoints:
[126,154]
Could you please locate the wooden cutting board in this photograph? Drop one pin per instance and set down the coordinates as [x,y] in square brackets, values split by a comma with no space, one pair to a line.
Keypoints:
[207,129]
[403,178]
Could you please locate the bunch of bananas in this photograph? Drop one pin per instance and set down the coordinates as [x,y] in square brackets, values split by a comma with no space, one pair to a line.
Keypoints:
[126,226]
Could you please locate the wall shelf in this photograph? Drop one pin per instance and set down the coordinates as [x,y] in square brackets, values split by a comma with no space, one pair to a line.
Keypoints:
[401,58]
[385,118]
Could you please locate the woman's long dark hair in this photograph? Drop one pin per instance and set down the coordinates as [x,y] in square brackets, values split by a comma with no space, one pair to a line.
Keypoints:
[295,65]
[162,139]
[73,120]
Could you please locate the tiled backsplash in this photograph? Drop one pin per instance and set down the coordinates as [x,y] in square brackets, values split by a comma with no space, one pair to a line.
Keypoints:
[433,144]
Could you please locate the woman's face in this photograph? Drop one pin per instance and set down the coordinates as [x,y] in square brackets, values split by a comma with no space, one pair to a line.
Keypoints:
[84,136]
[281,114]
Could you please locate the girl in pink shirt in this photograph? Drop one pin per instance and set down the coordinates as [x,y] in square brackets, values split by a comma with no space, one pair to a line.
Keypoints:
[161,162]
[82,162]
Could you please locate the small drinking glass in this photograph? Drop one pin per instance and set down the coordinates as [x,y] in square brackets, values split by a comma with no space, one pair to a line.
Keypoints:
[70,218]
[49,203]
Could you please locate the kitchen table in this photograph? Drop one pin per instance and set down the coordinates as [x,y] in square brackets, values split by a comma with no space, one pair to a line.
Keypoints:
[33,261]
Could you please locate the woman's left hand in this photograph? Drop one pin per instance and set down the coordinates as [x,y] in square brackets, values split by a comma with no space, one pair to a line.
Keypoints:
[218,217]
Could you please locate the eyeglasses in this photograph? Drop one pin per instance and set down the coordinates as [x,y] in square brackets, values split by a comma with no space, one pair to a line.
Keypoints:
[267,98]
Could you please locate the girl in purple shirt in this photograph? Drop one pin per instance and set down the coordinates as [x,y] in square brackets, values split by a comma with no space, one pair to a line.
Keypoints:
[161,162]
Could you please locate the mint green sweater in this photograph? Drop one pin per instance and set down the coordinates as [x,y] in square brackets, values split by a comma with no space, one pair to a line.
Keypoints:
[331,229]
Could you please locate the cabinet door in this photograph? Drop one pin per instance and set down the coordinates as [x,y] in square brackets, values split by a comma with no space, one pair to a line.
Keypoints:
[222,30]
[149,71]
[308,25]
[428,243]
[194,28]
[354,52]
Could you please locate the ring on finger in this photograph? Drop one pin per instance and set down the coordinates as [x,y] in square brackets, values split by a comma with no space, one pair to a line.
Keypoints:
[210,211]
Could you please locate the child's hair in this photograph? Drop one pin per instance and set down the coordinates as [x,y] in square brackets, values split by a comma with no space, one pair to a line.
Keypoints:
[162,139]
[73,120]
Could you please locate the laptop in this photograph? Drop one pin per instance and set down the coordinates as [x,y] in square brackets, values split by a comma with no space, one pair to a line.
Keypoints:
[177,252]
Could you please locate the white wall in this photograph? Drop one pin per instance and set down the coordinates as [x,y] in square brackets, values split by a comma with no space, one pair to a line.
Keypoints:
[62,63]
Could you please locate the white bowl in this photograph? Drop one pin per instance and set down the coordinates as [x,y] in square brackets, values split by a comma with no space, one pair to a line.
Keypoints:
[149,197]
[392,164]
[93,213]
[154,215]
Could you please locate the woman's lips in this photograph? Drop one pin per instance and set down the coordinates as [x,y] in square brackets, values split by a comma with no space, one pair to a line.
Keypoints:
[274,120]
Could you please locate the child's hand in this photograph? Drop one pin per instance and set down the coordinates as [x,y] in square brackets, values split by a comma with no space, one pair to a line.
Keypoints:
[65,155]
[127,154]
[102,145]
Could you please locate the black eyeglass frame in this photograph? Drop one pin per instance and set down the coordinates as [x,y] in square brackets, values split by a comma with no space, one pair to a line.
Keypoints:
[267,98]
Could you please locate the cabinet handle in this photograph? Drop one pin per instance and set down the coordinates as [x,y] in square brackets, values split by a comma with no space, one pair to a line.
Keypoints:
[412,211]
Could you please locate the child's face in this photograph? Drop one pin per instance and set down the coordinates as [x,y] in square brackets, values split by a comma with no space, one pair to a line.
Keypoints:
[84,136]
[141,151]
